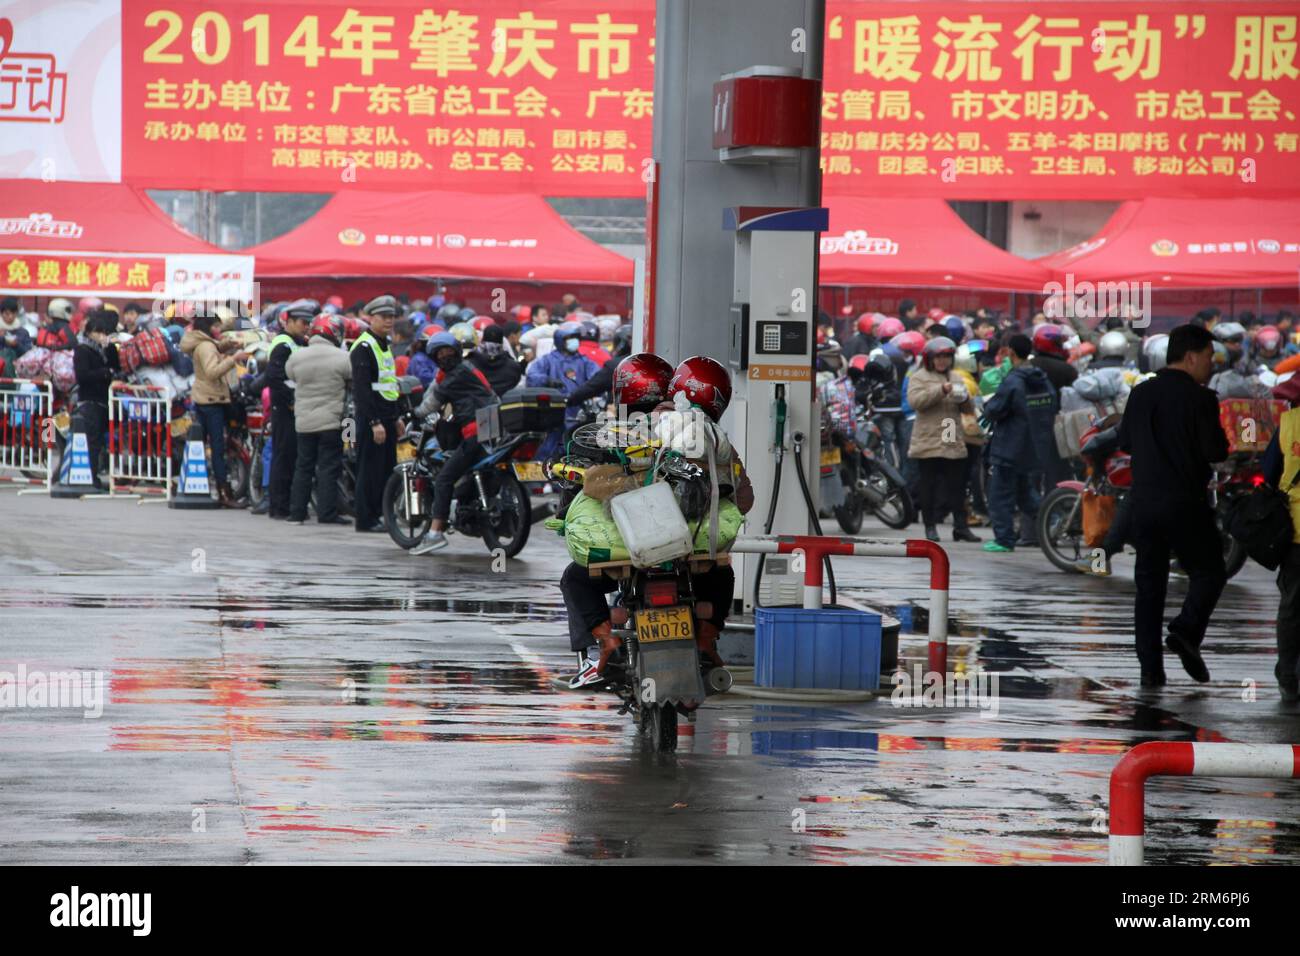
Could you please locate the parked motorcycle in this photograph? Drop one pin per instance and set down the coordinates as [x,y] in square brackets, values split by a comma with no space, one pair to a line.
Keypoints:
[870,482]
[1060,514]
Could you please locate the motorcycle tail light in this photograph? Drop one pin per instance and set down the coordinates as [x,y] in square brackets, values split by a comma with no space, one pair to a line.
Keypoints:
[1256,480]
[661,593]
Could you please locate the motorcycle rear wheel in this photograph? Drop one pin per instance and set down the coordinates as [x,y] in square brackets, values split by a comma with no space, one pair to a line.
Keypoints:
[405,534]
[1060,528]
[898,511]
[662,720]
[510,534]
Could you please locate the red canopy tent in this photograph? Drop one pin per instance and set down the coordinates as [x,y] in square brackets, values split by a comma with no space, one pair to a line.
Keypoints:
[916,243]
[445,235]
[1190,244]
[103,239]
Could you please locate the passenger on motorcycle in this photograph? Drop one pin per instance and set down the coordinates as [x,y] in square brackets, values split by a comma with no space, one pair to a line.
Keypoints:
[1240,378]
[463,385]
[565,368]
[646,388]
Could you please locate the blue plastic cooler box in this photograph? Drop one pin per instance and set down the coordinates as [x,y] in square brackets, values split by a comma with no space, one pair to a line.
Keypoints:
[831,648]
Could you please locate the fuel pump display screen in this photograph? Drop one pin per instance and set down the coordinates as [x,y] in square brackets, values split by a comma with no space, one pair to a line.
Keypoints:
[781,338]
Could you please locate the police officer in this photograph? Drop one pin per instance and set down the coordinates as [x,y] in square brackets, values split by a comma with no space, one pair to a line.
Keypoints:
[375,394]
[294,323]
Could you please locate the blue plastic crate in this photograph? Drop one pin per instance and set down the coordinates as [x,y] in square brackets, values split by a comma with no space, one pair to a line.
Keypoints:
[832,648]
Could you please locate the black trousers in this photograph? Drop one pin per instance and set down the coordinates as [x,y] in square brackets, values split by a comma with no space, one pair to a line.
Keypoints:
[284,458]
[320,461]
[1287,670]
[943,490]
[1186,529]
[584,599]
[94,424]
[374,464]
[460,461]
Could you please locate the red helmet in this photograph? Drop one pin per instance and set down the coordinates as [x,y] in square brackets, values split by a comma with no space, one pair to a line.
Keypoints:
[912,343]
[888,327]
[641,381]
[523,313]
[328,325]
[481,322]
[89,304]
[858,363]
[705,383]
[936,314]
[1051,339]
[335,300]
[1268,339]
[865,321]
[352,328]
[937,346]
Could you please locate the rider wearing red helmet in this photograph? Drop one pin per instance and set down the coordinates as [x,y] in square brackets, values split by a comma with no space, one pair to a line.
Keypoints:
[321,373]
[705,383]
[910,343]
[1052,353]
[863,339]
[708,386]
[886,328]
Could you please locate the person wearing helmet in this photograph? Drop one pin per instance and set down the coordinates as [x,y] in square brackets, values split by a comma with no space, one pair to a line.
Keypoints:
[1052,353]
[321,373]
[421,364]
[464,333]
[1103,389]
[375,396]
[1236,376]
[1154,350]
[885,329]
[565,368]
[954,327]
[294,323]
[1022,448]
[602,382]
[14,339]
[1269,350]
[56,332]
[462,384]
[938,445]
[1172,431]
[589,342]
[863,340]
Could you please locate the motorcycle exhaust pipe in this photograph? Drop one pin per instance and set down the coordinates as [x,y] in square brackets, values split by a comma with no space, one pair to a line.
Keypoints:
[868,491]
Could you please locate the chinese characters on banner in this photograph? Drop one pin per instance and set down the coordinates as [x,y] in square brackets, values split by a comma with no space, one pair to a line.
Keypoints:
[59,273]
[996,100]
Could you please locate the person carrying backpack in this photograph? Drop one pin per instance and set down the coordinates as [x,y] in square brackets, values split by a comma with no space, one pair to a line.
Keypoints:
[1022,411]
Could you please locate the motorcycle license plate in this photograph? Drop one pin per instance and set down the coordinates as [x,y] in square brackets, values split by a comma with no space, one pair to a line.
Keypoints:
[405,451]
[831,456]
[665,624]
[529,471]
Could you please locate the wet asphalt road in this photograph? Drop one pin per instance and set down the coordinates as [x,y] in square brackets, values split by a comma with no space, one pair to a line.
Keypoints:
[280,694]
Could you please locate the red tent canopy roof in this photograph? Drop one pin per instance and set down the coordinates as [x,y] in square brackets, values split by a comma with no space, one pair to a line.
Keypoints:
[1190,244]
[916,243]
[88,218]
[440,234]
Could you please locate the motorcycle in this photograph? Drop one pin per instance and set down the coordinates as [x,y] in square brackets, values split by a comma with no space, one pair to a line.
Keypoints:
[488,502]
[870,482]
[658,672]
[1060,514]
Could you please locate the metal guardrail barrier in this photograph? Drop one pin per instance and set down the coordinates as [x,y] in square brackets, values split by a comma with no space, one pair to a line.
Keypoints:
[814,548]
[140,440]
[1128,781]
[26,406]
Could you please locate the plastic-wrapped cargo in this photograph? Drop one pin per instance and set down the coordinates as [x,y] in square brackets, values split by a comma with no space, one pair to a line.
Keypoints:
[592,536]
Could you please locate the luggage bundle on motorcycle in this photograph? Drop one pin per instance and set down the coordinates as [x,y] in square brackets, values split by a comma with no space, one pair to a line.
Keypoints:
[146,347]
[1250,423]
[592,535]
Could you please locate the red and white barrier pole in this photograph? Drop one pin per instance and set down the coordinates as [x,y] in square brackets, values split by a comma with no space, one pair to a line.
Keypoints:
[814,549]
[1128,780]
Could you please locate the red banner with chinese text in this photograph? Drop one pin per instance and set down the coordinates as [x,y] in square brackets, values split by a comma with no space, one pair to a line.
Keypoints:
[58,273]
[992,100]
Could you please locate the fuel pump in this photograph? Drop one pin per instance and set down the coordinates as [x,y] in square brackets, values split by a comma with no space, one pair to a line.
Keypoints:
[774,404]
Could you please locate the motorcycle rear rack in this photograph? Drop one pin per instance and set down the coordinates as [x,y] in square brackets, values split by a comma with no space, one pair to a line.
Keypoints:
[624,569]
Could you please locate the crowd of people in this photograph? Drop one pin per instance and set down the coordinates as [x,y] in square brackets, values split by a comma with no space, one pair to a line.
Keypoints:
[981,414]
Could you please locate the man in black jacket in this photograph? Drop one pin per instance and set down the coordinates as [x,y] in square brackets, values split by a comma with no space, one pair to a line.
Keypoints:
[95,362]
[1171,428]
[376,395]
[294,322]
[503,371]
[462,384]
